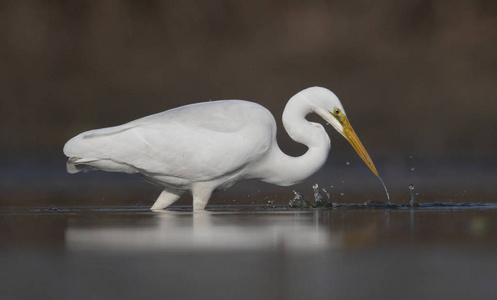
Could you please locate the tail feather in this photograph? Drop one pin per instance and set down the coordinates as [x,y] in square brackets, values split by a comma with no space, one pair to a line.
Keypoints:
[95,149]
[76,164]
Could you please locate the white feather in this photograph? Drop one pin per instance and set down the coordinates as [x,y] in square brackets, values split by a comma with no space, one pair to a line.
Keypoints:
[206,146]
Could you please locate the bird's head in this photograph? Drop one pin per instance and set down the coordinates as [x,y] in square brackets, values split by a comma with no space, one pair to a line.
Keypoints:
[328,106]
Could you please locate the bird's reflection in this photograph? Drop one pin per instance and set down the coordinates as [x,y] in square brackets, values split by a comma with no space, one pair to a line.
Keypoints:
[216,230]
[204,230]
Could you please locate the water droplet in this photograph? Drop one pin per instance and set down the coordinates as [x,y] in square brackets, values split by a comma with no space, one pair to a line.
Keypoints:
[331,186]
[410,156]
[412,169]
[342,193]
[411,187]
[348,163]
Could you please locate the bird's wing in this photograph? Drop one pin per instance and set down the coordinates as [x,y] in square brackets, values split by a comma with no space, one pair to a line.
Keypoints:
[197,143]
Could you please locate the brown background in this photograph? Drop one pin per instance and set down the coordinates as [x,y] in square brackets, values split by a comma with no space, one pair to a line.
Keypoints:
[417,78]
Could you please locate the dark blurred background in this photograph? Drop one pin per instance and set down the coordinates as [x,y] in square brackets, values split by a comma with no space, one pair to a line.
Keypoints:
[417,78]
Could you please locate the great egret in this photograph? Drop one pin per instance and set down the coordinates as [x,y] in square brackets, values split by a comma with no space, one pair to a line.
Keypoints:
[212,145]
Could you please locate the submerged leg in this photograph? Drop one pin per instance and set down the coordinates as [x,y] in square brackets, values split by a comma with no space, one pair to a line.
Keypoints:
[165,199]
[201,193]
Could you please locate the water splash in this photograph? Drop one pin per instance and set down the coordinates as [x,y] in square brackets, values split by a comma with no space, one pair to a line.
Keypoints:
[327,194]
[412,201]
[299,201]
[318,198]
[385,187]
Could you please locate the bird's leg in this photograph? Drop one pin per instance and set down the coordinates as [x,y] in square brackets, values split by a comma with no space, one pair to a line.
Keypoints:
[201,193]
[165,199]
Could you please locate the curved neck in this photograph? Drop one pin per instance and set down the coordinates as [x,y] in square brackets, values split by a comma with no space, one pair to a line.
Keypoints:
[282,169]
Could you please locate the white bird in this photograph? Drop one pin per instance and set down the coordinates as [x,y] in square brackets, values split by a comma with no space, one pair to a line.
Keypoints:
[212,145]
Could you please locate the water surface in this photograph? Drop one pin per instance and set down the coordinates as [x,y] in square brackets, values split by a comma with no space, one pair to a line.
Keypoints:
[248,252]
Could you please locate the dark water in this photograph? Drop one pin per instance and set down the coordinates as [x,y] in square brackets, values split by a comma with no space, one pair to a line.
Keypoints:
[249,252]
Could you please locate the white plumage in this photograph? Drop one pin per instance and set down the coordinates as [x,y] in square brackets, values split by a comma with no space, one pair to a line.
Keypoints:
[212,145]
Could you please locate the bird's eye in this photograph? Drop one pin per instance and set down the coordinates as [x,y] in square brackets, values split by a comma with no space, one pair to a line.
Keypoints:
[337,111]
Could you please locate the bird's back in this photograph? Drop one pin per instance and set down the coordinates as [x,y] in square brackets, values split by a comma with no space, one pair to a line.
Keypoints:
[198,142]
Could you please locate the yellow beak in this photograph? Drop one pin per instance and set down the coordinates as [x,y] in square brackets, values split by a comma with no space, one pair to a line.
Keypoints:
[351,136]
